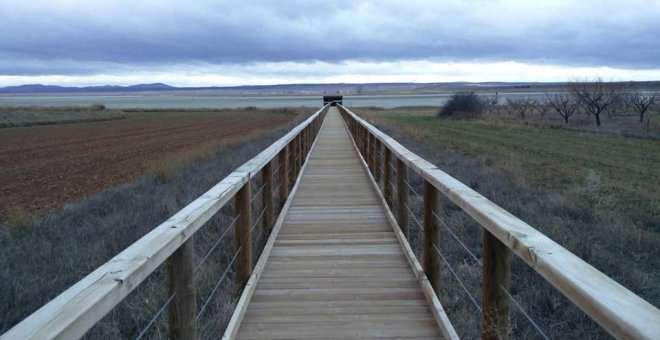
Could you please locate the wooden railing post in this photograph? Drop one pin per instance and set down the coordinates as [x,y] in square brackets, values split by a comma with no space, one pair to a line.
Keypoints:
[372,153]
[363,140]
[267,196]
[495,319]
[299,154]
[182,312]
[431,236]
[303,140]
[306,142]
[377,159]
[387,175]
[367,153]
[283,158]
[292,162]
[402,195]
[242,235]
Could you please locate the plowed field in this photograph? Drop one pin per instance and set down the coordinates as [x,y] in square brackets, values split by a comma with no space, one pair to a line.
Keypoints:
[43,167]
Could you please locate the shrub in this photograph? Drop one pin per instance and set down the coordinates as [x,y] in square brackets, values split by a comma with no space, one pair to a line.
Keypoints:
[463,105]
[98,107]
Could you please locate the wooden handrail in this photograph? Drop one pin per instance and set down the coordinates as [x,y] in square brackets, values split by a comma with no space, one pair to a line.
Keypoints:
[615,308]
[77,309]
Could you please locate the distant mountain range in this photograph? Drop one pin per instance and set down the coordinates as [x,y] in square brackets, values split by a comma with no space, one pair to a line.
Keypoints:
[299,89]
[39,88]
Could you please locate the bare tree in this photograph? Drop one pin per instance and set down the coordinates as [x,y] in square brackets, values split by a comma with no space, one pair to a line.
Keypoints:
[641,101]
[595,95]
[618,104]
[565,104]
[492,103]
[542,107]
[521,106]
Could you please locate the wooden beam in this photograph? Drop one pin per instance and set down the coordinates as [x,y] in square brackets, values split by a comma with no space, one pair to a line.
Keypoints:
[387,175]
[283,158]
[496,276]
[182,310]
[372,154]
[402,195]
[431,236]
[267,197]
[242,236]
[377,160]
[292,163]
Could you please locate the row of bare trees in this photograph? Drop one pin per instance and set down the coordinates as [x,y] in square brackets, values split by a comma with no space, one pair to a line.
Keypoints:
[593,97]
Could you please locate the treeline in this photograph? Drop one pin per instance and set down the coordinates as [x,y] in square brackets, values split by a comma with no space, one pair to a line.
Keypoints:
[593,97]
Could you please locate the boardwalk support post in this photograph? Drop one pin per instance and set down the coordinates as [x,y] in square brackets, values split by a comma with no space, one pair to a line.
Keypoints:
[371,154]
[292,162]
[431,236]
[242,235]
[402,195]
[377,160]
[283,159]
[267,196]
[387,175]
[182,310]
[496,276]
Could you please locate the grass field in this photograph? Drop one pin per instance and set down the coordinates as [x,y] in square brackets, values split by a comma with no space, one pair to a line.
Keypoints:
[597,194]
[30,116]
[607,172]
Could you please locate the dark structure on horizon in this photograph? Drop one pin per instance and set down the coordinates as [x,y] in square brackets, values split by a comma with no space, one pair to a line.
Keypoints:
[333,100]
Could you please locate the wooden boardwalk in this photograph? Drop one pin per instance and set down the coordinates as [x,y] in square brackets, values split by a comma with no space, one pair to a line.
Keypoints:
[336,264]
[337,269]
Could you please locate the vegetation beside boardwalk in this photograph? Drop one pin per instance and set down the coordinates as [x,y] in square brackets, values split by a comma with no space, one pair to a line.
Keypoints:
[37,115]
[43,257]
[596,194]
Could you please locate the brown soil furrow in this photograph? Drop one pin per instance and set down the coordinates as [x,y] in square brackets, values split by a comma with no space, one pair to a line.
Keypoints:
[43,167]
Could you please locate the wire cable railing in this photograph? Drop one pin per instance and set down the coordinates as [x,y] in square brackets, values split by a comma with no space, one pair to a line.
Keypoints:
[441,221]
[217,242]
[217,285]
[153,320]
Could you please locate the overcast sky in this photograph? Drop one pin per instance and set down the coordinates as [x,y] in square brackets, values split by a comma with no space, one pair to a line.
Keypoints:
[213,42]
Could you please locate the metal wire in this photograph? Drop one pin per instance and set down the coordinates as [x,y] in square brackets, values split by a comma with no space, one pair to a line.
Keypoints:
[515,302]
[529,318]
[224,274]
[256,222]
[156,316]
[411,214]
[257,193]
[224,233]
[457,238]
[413,190]
[458,279]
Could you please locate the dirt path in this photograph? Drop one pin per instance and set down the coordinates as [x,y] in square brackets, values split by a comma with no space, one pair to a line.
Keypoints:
[43,167]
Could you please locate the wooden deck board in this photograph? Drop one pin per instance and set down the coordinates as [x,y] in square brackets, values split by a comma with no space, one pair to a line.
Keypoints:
[336,269]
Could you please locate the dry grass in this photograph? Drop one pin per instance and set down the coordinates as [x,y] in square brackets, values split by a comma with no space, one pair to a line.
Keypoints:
[38,115]
[164,168]
[56,250]
[594,194]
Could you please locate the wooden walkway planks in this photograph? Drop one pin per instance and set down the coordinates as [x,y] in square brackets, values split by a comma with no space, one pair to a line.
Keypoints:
[336,269]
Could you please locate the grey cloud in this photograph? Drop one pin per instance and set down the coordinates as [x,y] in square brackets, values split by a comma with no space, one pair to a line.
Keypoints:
[40,37]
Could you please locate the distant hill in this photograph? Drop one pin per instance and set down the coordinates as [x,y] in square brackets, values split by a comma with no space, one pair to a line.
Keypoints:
[39,88]
[301,89]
